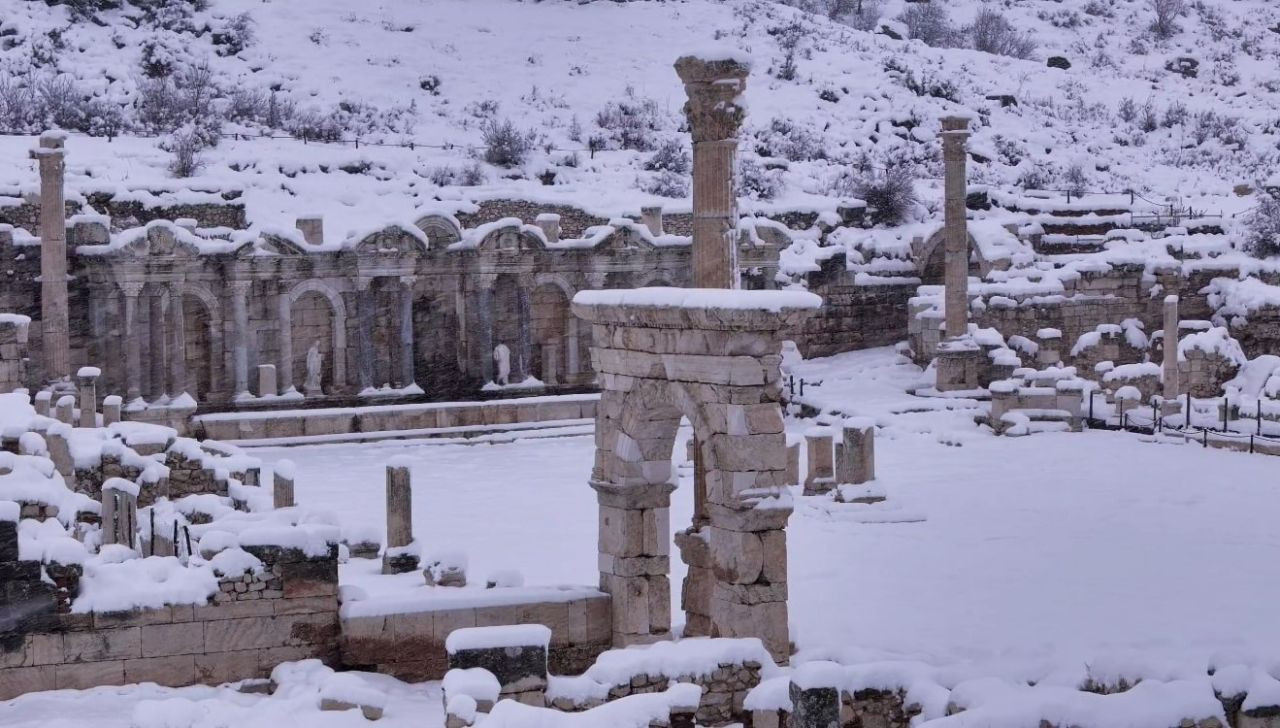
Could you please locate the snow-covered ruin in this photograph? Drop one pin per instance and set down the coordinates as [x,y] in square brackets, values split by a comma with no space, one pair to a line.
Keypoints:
[147,364]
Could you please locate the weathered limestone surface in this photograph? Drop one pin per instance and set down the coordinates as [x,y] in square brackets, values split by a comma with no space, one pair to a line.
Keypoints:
[718,367]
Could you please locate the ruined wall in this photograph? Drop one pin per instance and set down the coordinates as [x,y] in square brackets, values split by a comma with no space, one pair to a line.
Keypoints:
[13,351]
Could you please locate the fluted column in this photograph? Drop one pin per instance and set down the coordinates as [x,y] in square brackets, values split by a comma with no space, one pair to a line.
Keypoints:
[484,324]
[524,356]
[157,346]
[406,330]
[955,132]
[54,327]
[132,341]
[1172,383]
[364,340]
[284,337]
[714,112]
[240,351]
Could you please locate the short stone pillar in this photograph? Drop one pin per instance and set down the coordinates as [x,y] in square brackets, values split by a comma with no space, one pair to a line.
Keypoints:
[820,477]
[283,474]
[514,654]
[651,217]
[86,383]
[1169,369]
[65,409]
[549,223]
[858,456]
[266,380]
[399,557]
[42,403]
[714,111]
[60,449]
[793,462]
[815,695]
[1049,353]
[312,228]
[695,590]
[634,560]
[119,512]
[111,405]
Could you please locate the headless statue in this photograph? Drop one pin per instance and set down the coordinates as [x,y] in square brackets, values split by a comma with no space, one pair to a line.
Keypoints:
[502,358]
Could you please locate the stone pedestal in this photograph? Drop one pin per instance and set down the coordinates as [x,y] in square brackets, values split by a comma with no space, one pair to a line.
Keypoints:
[820,477]
[65,410]
[651,217]
[715,362]
[267,380]
[119,512]
[549,223]
[858,456]
[282,475]
[957,365]
[714,111]
[42,401]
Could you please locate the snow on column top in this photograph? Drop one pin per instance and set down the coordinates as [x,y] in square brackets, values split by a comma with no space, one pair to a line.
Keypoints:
[668,297]
[66,400]
[859,423]
[1171,298]
[475,682]
[15,318]
[285,469]
[88,372]
[9,511]
[818,674]
[1049,334]
[718,52]
[122,485]
[484,638]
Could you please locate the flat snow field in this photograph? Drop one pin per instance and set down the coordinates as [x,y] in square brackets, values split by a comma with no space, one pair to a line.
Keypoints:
[1050,556]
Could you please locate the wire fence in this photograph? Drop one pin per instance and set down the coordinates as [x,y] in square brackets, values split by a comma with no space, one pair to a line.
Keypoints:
[1139,419]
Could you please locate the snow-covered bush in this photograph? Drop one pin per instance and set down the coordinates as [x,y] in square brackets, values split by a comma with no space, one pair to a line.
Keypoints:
[866,16]
[631,123]
[1262,228]
[185,144]
[165,103]
[758,182]
[504,144]
[1166,13]
[235,35]
[672,156]
[790,140]
[991,32]
[924,85]
[1076,179]
[667,184]
[471,175]
[890,193]
[928,22]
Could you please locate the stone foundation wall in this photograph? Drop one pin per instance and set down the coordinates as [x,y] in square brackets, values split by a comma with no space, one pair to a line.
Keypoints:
[13,351]
[854,317]
[240,634]
[411,646]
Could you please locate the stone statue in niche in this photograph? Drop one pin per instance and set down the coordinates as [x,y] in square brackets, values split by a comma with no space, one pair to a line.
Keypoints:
[314,361]
[502,359]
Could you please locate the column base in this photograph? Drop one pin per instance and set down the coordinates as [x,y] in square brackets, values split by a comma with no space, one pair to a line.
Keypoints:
[957,365]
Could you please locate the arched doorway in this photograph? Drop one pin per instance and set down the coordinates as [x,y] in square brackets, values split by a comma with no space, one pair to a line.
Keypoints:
[436,340]
[511,310]
[198,349]
[550,321]
[312,325]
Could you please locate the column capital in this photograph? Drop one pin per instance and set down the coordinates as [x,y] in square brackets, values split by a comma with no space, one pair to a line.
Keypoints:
[132,289]
[713,88]
[240,287]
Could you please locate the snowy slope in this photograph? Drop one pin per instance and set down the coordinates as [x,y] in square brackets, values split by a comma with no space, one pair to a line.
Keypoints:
[433,72]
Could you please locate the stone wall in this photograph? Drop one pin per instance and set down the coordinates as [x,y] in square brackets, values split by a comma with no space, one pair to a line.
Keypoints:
[410,645]
[13,351]
[241,633]
[854,316]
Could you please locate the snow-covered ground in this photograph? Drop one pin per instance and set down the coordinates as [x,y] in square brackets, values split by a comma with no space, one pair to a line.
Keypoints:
[1055,558]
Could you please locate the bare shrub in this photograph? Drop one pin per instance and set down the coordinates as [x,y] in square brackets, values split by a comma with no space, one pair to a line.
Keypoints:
[758,182]
[185,144]
[866,16]
[991,32]
[1166,12]
[790,140]
[1076,180]
[928,22]
[235,35]
[631,123]
[672,156]
[667,184]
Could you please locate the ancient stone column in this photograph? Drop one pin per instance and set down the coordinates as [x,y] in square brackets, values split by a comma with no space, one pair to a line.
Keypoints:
[652,219]
[64,410]
[524,356]
[364,339]
[86,383]
[858,461]
[119,512]
[132,341]
[54,326]
[43,400]
[111,409]
[157,346]
[406,330]
[1172,385]
[283,474]
[550,363]
[284,321]
[572,365]
[178,383]
[266,380]
[60,450]
[820,477]
[240,314]
[484,330]
[714,111]
[634,555]
[312,228]
[399,557]
[550,224]
[955,132]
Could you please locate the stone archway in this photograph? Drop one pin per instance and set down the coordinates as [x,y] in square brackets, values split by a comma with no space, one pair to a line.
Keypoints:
[712,357]
[549,318]
[317,313]
[198,347]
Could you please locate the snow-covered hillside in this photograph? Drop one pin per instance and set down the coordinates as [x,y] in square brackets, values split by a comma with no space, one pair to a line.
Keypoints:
[829,105]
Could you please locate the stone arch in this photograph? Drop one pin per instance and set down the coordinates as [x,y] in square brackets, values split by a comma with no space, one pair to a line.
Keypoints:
[335,366]
[737,553]
[440,230]
[931,258]
[550,319]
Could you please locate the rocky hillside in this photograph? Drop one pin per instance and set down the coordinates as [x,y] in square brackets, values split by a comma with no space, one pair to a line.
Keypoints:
[578,102]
